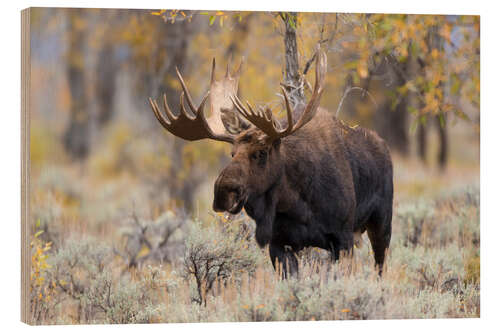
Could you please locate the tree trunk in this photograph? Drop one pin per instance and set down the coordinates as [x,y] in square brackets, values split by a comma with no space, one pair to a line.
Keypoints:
[422,142]
[175,37]
[392,125]
[434,41]
[106,83]
[391,121]
[443,142]
[293,80]
[76,137]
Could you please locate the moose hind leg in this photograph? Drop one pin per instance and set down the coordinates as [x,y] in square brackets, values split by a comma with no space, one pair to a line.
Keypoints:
[283,260]
[379,232]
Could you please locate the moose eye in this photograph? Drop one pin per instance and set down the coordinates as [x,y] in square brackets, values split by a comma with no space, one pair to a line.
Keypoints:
[259,156]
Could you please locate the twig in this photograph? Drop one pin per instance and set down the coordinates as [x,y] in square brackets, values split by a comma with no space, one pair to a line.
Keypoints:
[364,91]
[308,63]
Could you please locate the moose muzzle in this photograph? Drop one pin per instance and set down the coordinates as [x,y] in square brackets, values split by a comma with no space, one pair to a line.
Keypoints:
[229,191]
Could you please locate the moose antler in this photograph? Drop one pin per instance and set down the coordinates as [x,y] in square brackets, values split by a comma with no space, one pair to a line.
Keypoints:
[264,119]
[192,125]
[220,100]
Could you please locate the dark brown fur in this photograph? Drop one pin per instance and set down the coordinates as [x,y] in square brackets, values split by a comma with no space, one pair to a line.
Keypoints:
[315,187]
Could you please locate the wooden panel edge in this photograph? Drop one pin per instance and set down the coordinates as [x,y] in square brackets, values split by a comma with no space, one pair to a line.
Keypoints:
[25,164]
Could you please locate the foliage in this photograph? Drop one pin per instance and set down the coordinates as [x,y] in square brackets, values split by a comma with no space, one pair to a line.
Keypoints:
[426,42]
[80,277]
[217,253]
[158,241]
[41,289]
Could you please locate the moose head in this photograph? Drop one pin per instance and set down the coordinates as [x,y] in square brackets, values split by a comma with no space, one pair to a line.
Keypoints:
[257,163]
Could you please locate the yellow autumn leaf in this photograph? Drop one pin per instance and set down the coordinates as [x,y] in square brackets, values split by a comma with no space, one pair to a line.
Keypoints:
[362,70]
[434,53]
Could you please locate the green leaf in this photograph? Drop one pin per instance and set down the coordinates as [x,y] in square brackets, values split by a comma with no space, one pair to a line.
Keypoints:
[461,115]
[292,22]
[455,84]
[412,110]
[211,20]
[413,126]
[441,120]
[351,64]
[413,49]
[38,233]
[423,120]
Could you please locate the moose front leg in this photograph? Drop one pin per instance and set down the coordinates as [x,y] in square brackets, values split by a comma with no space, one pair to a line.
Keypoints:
[284,260]
[341,242]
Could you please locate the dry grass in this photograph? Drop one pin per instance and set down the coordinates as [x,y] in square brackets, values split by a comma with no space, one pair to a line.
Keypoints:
[432,272]
[95,220]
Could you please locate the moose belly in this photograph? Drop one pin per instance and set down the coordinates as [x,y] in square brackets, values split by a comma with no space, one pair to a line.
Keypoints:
[297,235]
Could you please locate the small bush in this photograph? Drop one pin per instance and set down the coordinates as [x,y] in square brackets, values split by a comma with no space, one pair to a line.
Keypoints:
[412,218]
[42,291]
[216,253]
[157,241]
[472,270]
[82,272]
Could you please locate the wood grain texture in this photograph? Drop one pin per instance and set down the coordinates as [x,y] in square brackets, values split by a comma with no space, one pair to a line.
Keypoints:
[25,163]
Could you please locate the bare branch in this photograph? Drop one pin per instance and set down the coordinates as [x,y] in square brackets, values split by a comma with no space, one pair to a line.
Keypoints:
[349,90]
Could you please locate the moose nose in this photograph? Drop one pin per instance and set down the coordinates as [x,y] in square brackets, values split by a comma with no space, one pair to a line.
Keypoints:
[225,198]
[228,187]
[224,204]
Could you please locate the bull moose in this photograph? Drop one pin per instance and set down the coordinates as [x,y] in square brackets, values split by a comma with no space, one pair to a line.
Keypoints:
[306,180]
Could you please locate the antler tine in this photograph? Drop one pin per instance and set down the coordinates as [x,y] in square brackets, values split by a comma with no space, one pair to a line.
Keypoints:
[212,73]
[312,106]
[264,120]
[238,71]
[190,125]
[156,110]
[197,111]
[289,112]
[229,64]
[239,106]
[186,91]
[170,115]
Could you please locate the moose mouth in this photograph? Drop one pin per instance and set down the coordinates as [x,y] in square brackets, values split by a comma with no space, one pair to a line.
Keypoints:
[238,205]
[231,202]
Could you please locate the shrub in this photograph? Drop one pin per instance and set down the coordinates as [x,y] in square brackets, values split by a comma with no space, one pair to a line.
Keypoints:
[217,252]
[123,302]
[472,269]
[82,271]
[412,217]
[154,241]
[42,291]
